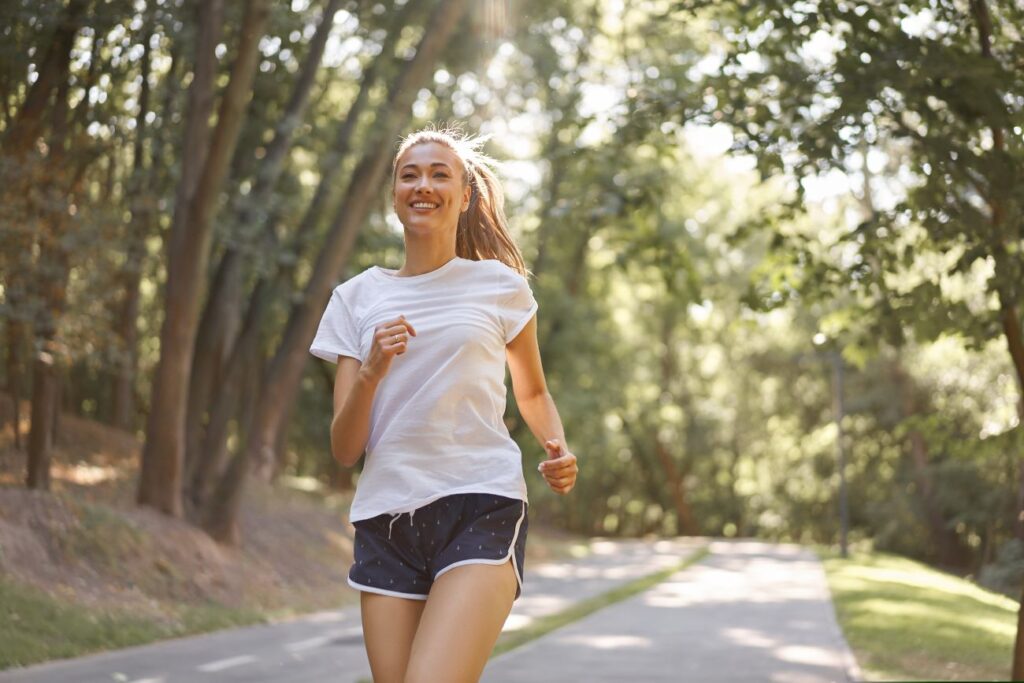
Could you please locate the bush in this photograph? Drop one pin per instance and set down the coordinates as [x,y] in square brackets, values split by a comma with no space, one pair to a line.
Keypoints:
[1006,574]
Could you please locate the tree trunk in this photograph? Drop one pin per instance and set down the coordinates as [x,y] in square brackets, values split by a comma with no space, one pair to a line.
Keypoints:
[1008,315]
[218,328]
[220,320]
[1018,644]
[281,377]
[51,214]
[686,524]
[138,227]
[268,471]
[18,143]
[52,72]
[331,165]
[675,475]
[213,447]
[50,354]
[40,444]
[160,483]
[16,331]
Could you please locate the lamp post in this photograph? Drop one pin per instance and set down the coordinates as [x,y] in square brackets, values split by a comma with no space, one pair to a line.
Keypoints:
[838,411]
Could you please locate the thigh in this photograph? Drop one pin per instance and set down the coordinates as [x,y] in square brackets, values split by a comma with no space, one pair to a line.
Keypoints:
[389,626]
[461,623]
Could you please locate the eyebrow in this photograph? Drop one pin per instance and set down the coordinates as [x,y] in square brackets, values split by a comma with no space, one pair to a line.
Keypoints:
[436,163]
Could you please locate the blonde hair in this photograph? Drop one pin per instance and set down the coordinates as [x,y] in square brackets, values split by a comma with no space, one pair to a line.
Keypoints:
[482,232]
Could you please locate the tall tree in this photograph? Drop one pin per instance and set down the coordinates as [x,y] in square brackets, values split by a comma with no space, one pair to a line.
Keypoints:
[160,481]
[35,152]
[804,85]
[214,338]
[208,467]
[282,374]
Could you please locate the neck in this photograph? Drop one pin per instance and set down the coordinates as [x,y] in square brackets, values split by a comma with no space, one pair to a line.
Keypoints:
[425,255]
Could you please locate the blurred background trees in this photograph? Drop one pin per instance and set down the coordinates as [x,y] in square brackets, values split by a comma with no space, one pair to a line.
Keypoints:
[700,190]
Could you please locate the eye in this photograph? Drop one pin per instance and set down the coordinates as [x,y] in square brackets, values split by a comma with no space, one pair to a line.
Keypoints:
[441,174]
[406,176]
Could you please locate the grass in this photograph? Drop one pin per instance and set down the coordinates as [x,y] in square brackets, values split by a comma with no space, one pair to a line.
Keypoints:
[905,620]
[544,625]
[37,627]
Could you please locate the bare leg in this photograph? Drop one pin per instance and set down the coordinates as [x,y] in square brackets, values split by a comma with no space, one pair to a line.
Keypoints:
[389,625]
[461,623]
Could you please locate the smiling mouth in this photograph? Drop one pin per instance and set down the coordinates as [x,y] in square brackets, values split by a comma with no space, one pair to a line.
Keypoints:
[424,205]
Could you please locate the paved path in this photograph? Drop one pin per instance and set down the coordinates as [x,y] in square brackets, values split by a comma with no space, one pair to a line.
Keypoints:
[328,646]
[749,612]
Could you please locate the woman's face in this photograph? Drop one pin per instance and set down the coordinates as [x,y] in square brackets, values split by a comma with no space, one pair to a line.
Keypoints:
[429,189]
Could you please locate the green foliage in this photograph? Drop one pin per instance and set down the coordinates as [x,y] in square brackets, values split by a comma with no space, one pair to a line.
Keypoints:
[813,86]
[679,290]
[1006,574]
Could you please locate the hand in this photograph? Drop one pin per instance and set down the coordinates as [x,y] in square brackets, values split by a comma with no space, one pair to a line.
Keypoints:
[389,340]
[560,468]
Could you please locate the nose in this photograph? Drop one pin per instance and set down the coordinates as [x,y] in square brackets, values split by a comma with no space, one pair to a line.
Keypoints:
[423,184]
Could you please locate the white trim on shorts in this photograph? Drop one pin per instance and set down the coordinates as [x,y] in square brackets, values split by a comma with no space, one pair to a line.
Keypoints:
[511,554]
[384,591]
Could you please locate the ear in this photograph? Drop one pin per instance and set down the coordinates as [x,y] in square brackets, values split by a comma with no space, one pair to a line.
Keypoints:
[467,192]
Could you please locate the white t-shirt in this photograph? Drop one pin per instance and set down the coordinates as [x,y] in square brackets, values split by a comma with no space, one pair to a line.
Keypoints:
[436,424]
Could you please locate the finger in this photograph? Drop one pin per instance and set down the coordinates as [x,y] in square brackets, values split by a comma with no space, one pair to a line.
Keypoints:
[393,347]
[560,477]
[390,336]
[559,474]
[395,330]
[562,461]
[553,448]
[401,320]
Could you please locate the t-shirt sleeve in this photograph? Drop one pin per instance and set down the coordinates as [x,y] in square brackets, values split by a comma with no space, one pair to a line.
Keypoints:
[338,333]
[516,307]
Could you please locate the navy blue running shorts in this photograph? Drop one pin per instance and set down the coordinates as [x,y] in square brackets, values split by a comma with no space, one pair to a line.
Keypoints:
[403,554]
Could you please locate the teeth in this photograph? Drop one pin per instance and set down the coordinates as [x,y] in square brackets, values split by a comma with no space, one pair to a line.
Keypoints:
[424,205]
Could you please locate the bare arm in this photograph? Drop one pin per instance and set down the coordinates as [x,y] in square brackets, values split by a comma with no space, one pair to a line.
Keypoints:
[355,385]
[538,408]
[353,397]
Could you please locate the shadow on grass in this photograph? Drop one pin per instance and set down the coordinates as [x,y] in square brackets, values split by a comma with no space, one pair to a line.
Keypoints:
[908,621]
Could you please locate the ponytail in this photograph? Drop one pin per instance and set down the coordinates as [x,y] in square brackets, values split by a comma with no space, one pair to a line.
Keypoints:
[482,232]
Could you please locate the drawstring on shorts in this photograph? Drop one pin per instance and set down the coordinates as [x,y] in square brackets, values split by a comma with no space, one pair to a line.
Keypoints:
[395,517]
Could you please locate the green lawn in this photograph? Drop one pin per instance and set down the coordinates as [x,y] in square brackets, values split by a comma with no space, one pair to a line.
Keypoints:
[36,627]
[906,621]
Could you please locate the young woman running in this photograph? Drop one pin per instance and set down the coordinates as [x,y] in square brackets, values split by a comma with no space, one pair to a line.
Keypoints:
[440,509]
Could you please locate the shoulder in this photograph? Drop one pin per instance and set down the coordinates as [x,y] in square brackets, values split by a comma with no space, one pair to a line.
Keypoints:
[356,283]
[503,273]
[508,283]
[356,291]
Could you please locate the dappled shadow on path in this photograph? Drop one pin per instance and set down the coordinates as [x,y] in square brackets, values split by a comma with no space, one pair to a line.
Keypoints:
[750,611]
